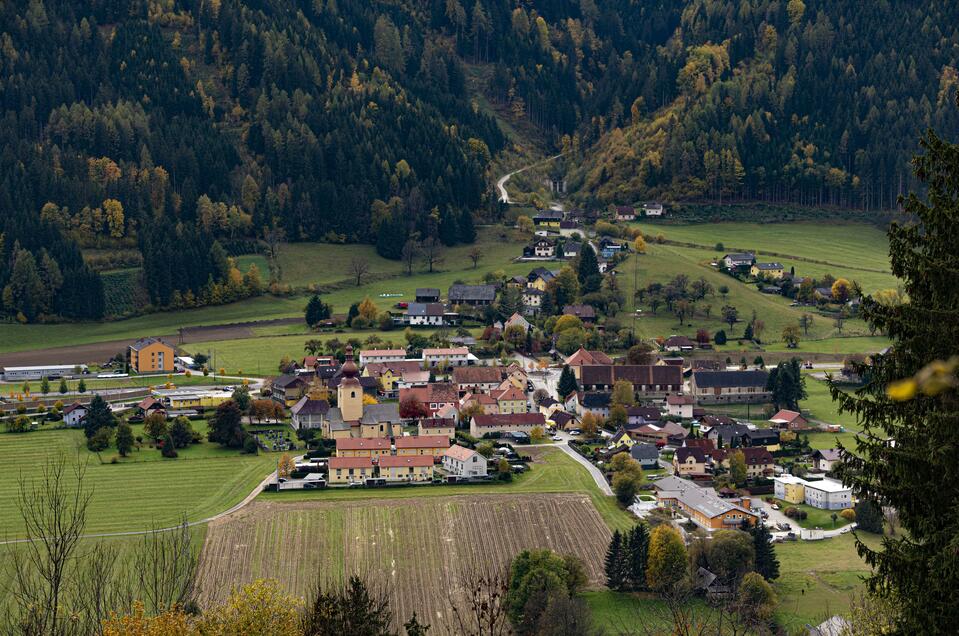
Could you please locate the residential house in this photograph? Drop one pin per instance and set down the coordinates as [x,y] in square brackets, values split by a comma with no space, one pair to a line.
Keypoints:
[434,396]
[539,278]
[825,459]
[689,461]
[517,320]
[646,454]
[548,219]
[728,435]
[660,434]
[74,413]
[563,420]
[510,400]
[308,413]
[288,389]
[571,249]
[608,248]
[620,438]
[350,470]
[464,462]
[789,420]
[823,293]
[653,209]
[586,313]
[765,437]
[434,445]
[472,295]
[149,405]
[391,374]
[363,447]
[740,260]
[759,461]
[570,228]
[680,406]
[369,356]
[433,426]
[427,295]
[477,379]
[649,381]
[532,300]
[767,270]
[639,415]
[515,423]
[595,402]
[679,343]
[582,357]
[714,387]
[702,443]
[150,355]
[826,494]
[401,468]
[450,356]
[485,402]
[625,213]
[544,248]
[428,315]
[703,506]
[602,263]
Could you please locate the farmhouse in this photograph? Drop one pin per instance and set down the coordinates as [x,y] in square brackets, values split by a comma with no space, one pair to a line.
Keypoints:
[359,447]
[570,227]
[650,381]
[532,299]
[515,423]
[714,387]
[767,270]
[150,355]
[477,378]
[73,414]
[369,356]
[548,219]
[680,406]
[703,506]
[738,260]
[427,315]
[625,213]
[586,313]
[348,470]
[544,248]
[517,320]
[789,420]
[653,209]
[472,295]
[679,343]
[444,426]
[464,462]
[434,445]
[596,403]
[571,249]
[406,468]
[825,459]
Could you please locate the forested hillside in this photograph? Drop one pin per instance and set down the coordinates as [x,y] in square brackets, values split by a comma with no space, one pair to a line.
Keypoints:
[166,134]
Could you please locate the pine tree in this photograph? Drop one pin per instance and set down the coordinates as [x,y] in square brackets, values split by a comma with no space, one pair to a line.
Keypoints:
[637,553]
[448,228]
[615,579]
[467,230]
[316,310]
[63,388]
[98,416]
[587,271]
[766,562]
[567,382]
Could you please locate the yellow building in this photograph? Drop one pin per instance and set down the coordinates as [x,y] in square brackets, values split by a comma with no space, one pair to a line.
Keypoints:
[511,400]
[406,468]
[434,445]
[538,283]
[345,470]
[362,447]
[767,270]
[196,399]
[791,489]
[436,426]
[150,355]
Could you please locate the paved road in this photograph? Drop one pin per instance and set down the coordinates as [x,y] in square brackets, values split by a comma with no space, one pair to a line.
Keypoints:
[501,184]
[595,472]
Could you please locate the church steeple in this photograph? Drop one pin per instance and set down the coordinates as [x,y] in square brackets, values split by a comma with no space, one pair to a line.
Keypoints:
[349,394]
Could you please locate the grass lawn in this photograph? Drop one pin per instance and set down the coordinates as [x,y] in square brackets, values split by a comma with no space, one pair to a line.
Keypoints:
[197,379]
[641,613]
[818,578]
[817,518]
[138,492]
[820,406]
[853,344]
[856,251]
[552,471]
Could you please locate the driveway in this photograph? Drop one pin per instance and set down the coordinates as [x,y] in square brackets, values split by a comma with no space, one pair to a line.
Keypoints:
[595,472]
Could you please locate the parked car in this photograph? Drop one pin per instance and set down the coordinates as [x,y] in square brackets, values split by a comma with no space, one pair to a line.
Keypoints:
[774,506]
[556,438]
[576,431]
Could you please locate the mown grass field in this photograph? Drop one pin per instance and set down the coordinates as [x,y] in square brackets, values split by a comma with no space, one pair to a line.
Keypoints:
[552,471]
[136,493]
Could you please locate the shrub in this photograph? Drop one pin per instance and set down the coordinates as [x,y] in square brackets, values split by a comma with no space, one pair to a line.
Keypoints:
[250,446]
[848,514]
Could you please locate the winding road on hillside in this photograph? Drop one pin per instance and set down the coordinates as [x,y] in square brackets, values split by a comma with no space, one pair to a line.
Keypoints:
[501,184]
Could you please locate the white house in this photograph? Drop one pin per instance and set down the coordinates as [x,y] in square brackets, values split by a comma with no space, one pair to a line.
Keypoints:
[381,355]
[544,248]
[827,494]
[453,356]
[653,209]
[464,462]
[680,406]
[428,315]
[825,459]
[741,259]
[74,414]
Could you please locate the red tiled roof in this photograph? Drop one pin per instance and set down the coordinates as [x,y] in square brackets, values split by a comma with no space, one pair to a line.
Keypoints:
[514,419]
[393,461]
[478,375]
[350,462]
[362,443]
[460,453]
[422,441]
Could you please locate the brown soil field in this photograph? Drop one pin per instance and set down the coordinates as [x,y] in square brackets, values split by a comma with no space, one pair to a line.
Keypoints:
[418,550]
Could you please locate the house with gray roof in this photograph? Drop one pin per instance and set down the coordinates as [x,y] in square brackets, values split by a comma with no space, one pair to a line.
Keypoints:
[718,387]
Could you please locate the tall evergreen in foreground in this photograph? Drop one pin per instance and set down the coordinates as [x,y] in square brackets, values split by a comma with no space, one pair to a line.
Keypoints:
[615,574]
[766,562]
[918,570]
[567,383]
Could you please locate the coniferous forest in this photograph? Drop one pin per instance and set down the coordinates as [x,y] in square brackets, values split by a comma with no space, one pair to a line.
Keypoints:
[175,132]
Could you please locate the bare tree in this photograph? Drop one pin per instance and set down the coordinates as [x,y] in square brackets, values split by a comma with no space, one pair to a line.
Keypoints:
[411,251]
[164,568]
[477,603]
[359,267]
[475,254]
[53,506]
[273,238]
[432,251]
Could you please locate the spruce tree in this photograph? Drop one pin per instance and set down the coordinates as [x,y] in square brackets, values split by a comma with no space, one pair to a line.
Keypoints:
[448,229]
[587,270]
[766,562]
[615,579]
[98,416]
[918,569]
[567,382]
[467,230]
[316,310]
[637,551]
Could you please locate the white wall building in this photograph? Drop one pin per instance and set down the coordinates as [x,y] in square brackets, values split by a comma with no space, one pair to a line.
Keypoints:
[381,355]
[464,462]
